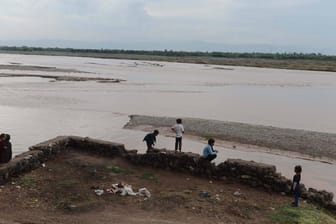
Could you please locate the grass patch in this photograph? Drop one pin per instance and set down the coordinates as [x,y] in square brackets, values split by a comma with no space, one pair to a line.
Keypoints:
[28,182]
[70,195]
[301,215]
[117,169]
[149,176]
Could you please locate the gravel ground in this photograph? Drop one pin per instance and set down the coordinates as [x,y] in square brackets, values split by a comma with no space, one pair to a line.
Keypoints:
[316,144]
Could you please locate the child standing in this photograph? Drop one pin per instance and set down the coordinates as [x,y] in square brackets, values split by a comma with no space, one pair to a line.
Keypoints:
[5,148]
[179,130]
[296,185]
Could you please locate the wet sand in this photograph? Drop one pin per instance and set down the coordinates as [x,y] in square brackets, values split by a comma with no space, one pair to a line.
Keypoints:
[33,68]
[20,67]
[292,142]
[64,78]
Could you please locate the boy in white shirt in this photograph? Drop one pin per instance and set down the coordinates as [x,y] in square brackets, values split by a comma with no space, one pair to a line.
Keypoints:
[179,130]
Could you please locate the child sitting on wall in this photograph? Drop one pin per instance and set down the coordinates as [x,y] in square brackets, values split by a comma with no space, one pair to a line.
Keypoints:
[209,153]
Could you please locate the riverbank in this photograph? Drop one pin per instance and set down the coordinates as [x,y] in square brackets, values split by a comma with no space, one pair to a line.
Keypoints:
[294,64]
[18,67]
[299,143]
[55,78]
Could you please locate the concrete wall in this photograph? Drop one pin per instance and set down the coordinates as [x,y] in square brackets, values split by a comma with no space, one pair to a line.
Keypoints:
[247,172]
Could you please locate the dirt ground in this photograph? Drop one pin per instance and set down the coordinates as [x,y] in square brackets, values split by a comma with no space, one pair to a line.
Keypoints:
[62,191]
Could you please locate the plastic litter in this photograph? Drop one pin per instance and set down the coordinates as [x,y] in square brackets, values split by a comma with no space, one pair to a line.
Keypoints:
[204,194]
[237,193]
[99,192]
[217,197]
[144,192]
[126,189]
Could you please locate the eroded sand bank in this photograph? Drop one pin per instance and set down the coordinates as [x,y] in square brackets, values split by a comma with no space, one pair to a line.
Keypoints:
[65,78]
[18,67]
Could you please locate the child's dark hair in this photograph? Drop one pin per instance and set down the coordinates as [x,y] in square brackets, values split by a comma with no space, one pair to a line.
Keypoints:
[5,137]
[211,141]
[298,169]
[156,132]
[179,121]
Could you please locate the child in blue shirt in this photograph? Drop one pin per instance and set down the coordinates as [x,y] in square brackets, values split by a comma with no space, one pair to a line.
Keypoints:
[208,152]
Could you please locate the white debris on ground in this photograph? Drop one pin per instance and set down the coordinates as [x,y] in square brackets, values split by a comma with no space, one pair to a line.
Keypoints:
[123,190]
[237,193]
[99,192]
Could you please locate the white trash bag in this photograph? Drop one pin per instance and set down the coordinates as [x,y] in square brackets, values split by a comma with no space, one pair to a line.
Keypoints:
[144,192]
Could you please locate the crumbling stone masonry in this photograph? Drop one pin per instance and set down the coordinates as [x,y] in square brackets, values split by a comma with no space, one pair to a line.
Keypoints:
[246,172]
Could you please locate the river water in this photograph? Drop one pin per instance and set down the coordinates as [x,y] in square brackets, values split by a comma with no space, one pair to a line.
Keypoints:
[35,109]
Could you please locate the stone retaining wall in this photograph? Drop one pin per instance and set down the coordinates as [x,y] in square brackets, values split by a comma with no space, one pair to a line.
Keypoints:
[246,172]
[44,151]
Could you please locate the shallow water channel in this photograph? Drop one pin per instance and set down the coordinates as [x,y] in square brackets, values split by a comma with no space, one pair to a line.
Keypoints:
[34,109]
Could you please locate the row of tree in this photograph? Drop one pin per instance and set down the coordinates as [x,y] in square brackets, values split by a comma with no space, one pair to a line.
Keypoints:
[171,53]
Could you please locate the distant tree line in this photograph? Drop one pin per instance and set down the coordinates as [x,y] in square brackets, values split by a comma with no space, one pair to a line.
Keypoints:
[171,53]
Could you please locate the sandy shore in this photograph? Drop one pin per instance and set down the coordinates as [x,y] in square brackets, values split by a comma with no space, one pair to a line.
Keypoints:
[18,67]
[65,78]
[291,142]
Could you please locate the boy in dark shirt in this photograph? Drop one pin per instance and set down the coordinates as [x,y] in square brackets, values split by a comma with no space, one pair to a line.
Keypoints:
[296,185]
[5,148]
[150,140]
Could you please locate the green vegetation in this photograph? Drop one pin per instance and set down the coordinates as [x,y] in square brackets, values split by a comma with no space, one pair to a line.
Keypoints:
[171,53]
[28,182]
[302,215]
[117,169]
[69,194]
[149,176]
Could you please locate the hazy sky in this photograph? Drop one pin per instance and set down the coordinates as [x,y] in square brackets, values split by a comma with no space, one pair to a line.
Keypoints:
[271,25]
